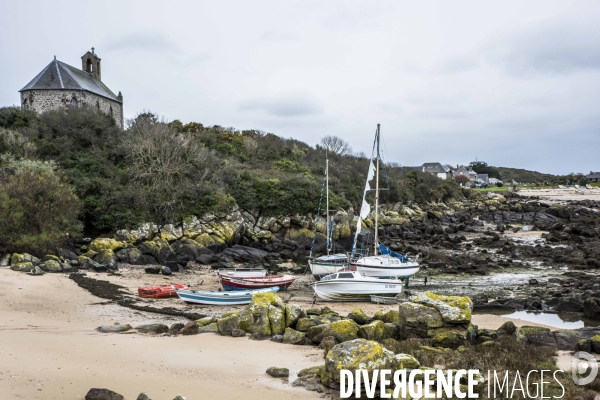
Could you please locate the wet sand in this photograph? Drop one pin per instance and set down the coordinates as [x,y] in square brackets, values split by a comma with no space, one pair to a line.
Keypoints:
[563,194]
[50,350]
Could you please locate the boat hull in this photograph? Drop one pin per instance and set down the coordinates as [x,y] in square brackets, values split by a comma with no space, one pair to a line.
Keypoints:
[242,273]
[320,270]
[353,290]
[385,267]
[236,284]
[220,298]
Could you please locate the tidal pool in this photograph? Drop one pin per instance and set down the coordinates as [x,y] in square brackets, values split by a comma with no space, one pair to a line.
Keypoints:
[560,321]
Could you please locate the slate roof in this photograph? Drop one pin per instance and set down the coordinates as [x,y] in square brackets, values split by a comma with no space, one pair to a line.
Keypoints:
[434,168]
[57,76]
[593,175]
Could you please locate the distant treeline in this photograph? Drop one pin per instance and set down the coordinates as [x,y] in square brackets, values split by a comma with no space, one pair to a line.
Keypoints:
[102,178]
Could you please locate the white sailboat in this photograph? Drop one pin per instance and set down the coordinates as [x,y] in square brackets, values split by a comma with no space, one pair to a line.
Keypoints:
[354,286]
[388,264]
[329,263]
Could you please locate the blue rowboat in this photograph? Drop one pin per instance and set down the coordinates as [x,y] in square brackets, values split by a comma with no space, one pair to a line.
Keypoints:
[221,298]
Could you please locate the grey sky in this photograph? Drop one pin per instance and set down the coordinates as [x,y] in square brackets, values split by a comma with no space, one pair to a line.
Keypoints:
[513,83]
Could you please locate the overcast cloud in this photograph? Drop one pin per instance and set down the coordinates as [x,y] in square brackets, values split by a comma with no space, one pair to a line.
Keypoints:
[512,83]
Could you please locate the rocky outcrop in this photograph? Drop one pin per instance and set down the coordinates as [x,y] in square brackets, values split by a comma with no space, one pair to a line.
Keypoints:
[536,335]
[446,320]
[264,316]
[353,355]
[278,372]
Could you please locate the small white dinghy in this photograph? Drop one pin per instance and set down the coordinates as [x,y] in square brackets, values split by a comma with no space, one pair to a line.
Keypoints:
[354,286]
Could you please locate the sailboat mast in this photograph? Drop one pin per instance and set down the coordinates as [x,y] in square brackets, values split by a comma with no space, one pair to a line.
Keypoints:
[327,185]
[376,244]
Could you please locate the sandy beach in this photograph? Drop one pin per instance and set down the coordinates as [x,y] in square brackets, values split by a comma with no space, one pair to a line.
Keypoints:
[50,350]
[563,194]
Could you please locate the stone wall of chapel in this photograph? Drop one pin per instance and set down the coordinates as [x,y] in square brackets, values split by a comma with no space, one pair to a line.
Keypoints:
[46,100]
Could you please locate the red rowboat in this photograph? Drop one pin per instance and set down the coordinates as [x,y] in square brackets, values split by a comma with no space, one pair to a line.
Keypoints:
[160,292]
[280,281]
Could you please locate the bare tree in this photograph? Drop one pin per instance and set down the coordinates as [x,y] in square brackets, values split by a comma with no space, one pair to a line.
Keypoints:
[461,179]
[336,145]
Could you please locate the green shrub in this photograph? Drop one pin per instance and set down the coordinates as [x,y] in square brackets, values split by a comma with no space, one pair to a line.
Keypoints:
[37,208]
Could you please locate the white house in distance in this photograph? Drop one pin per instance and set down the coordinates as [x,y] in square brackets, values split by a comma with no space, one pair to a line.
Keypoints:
[593,176]
[434,168]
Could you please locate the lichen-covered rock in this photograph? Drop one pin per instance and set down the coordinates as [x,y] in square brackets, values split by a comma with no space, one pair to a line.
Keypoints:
[157,248]
[342,331]
[170,232]
[292,336]
[278,372]
[508,328]
[451,339]
[152,328]
[536,335]
[228,323]
[143,396]
[293,313]
[4,260]
[353,355]
[359,316]
[304,324]
[210,328]
[17,258]
[206,320]
[391,316]
[405,361]
[51,266]
[100,244]
[453,309]
[238,333]
[595,343]
[133,256]
[416,320]
[114,328]
[373,331]
[585,345]
[22,266]
[108,258]
[264,316]
[144,232]
[85,262]
[191,328]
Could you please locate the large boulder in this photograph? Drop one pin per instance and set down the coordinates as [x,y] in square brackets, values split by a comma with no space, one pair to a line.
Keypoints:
[102,394]
[4,260]
[567,339]
[51,266]
[191,328]
[536,335]
[359,316]
[246,254]
[133,256]
[210,328]
[17,258]
[264,316]
[453,309]
[22,266]
[293,313]
[105,244]
[108,258]
[405,361]
[373,331]
[353,355]
[342,331]
[157,248]
[228,324]
[170,232]
[591,309]
[292,336]
[417,320]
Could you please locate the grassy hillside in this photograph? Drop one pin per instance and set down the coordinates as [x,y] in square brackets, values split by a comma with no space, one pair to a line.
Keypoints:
[524,176]
[165,172]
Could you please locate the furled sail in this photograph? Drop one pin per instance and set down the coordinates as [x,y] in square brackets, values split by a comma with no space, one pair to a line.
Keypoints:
[365,208]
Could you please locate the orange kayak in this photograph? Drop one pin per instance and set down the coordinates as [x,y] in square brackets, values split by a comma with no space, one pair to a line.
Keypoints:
[160,292]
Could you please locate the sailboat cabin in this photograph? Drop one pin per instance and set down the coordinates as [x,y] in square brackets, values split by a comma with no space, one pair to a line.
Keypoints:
[62,85]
